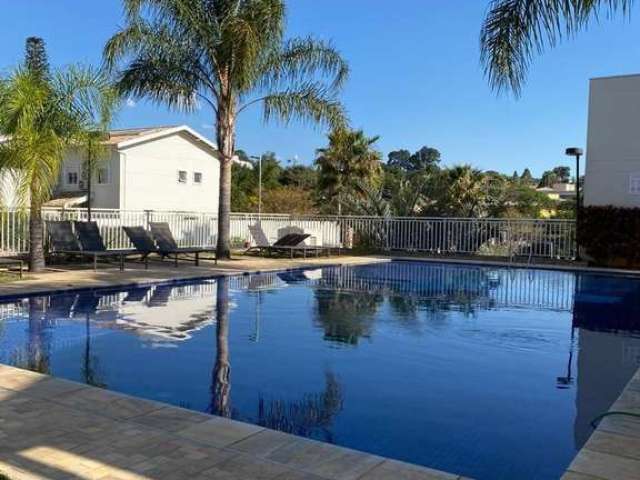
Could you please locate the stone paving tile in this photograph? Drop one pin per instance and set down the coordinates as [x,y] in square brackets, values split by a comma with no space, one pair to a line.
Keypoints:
[264,443]
[347,465]
[108,403]
[615,444]
[606,466]
[246,466]
[578,476]
[621,424]
[219,432]
[171,419]
[298,475]
[394,470]
[303,453]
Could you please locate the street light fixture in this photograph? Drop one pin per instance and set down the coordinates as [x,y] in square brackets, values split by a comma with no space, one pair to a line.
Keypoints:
[259,159]
[577,153]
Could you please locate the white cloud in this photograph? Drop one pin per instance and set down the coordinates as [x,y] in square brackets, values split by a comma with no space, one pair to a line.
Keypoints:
[208,126]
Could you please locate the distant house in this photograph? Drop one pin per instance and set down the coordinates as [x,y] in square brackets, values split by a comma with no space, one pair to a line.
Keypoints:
[559,191]
[613,142]
[158,168]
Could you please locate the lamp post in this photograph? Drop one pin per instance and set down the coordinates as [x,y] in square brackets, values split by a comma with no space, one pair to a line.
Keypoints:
[259,159]
[577,153]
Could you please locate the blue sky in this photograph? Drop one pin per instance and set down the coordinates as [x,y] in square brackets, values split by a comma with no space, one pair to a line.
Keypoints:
[416,78]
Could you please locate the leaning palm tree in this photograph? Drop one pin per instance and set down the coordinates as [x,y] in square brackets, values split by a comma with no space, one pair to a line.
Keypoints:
[516,30]
[229,55]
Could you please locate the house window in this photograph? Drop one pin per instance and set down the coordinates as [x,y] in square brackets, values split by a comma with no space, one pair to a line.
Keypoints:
[72,177]
[634,184]
[103,175]
[182,176]
[197,178]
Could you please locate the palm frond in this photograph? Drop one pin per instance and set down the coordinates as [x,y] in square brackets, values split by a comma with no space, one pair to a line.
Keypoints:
[301,59]
[307,102]
[514,31]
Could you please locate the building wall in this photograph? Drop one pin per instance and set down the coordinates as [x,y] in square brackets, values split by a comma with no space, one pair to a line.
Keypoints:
[613,142]
[150,176]
[104,195]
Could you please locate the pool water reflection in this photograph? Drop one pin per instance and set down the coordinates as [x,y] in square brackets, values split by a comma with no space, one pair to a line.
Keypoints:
[486,372]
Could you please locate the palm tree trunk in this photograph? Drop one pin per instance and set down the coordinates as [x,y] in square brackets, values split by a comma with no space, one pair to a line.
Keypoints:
[221,384]
[89,172]
[36,236]
[225,133]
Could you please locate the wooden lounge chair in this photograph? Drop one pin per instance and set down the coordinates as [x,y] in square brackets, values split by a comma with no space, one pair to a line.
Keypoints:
[290,243]
[86,241]
[167,246]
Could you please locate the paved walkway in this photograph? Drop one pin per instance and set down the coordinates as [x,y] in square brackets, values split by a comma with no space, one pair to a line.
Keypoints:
[613,450]
[56,429]
[73,276]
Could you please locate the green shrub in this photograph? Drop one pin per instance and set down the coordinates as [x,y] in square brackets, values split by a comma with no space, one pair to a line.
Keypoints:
[610,235]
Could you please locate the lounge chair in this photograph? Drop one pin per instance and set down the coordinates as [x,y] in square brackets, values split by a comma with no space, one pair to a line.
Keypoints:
[87,243]
[167,246]
[290,243]
[142,241]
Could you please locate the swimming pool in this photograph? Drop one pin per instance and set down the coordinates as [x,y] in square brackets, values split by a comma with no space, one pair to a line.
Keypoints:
[486,372]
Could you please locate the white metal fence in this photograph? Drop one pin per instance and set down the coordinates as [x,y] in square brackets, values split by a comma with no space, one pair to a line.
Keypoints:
[487,236]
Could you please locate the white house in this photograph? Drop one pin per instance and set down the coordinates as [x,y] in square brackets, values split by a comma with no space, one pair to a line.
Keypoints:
[159,168]
[613,142]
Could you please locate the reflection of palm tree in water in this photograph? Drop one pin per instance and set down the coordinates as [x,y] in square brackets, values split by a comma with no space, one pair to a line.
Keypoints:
[39,342]
[221,386]
[310,417]
[346,316]
[89,367]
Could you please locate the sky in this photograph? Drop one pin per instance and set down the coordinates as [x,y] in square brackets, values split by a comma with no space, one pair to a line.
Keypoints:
[415,80]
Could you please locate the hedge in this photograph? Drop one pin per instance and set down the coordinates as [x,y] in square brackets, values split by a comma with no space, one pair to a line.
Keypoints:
[610,235]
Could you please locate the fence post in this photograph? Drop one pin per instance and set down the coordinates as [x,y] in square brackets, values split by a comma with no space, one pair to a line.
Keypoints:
[147,218]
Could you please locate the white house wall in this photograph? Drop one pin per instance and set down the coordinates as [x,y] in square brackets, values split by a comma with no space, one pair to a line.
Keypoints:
[613,143]
[150,175]
[103,195]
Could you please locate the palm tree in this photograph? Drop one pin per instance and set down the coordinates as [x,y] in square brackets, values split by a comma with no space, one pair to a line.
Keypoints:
[97,103]
[229,55]
[349,161]
[38,121]
[516,30]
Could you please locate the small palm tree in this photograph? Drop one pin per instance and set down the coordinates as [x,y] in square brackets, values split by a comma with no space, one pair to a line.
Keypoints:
[41,113]
[516,30]
[95,100]
[346,163]
[34,117]
[228,55]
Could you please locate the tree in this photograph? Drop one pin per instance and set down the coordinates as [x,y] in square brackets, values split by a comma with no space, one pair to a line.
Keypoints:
[563,174]
[464,192]
[526,177]
[548,179]
[424,159]
[40,115]
[301,176]
[229,55]
[96,105]
[289,199]
[516,30]
[350,158]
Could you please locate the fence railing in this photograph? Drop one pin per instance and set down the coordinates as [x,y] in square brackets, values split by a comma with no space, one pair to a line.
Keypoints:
[486,236]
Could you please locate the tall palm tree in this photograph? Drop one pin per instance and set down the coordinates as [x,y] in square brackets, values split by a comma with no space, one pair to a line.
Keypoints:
[349,161]
[228,55]
[38,121]
[516,30]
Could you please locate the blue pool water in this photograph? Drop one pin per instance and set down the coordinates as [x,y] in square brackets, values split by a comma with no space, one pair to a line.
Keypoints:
[486,372]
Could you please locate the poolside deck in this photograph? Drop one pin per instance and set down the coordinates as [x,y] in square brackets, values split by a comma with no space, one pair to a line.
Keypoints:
[613,450]
[76,275]
[56,429]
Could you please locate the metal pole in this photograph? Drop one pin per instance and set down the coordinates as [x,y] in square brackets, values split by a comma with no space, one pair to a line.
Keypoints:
[260,189]
[577,205]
